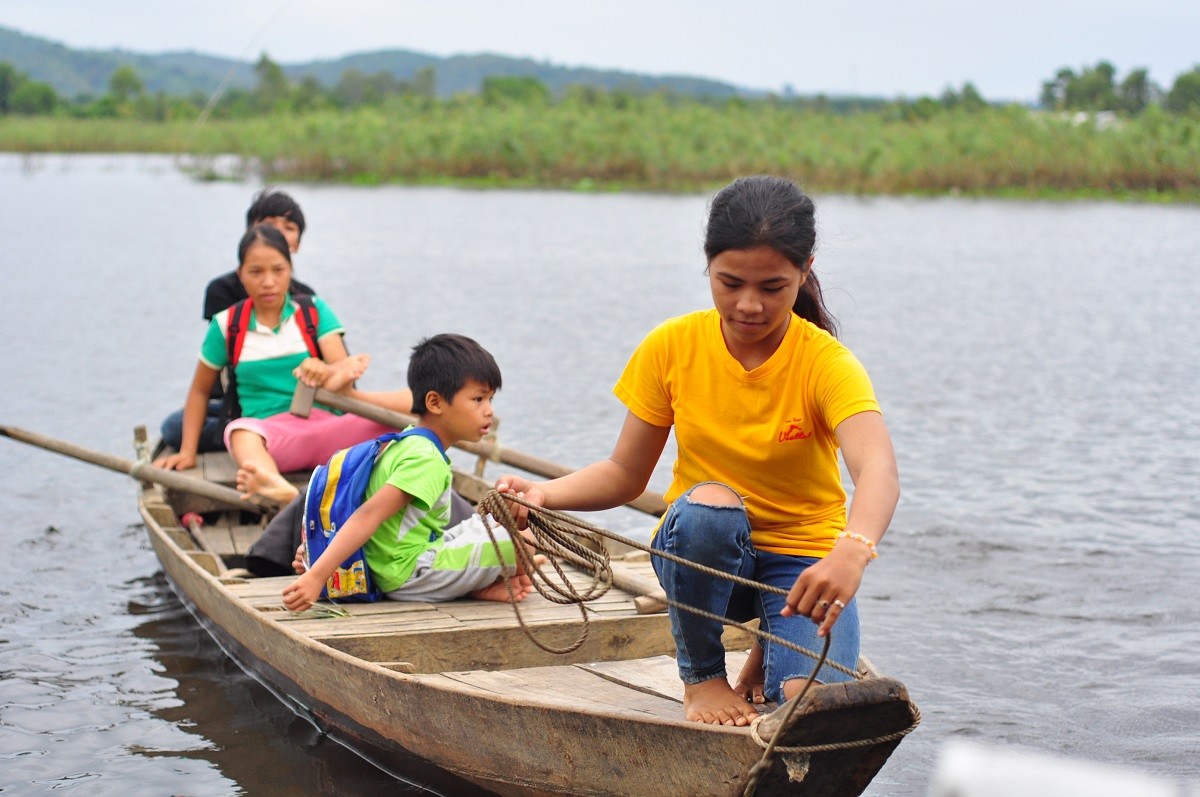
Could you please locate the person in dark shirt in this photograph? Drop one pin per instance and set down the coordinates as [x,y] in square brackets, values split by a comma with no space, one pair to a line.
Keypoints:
[279,210]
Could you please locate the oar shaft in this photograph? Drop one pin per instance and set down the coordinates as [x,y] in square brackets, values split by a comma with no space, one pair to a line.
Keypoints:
[142,471]
[69,449]
[647,502]
[649,595]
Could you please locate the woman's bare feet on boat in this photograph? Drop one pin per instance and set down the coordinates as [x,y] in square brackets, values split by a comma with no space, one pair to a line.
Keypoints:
[714,702]
[750,680]
[252,479]
[522,585]
[345,371]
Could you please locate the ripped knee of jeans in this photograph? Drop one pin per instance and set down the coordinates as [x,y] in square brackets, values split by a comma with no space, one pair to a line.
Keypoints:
[714,494]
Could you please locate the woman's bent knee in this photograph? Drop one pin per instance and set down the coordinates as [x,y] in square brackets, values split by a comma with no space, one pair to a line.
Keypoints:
[714,494]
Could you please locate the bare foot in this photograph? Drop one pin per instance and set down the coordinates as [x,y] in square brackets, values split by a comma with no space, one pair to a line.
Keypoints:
[255,480]
[714,702]
[531,549]
[749,684]
[522,585]
[345,371]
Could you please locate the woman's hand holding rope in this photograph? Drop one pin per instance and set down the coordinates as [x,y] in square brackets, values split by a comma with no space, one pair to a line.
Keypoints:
[524,489]
[823,590]
[820,593]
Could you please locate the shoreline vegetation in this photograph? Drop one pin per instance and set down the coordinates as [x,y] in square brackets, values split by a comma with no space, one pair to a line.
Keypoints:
[515,133]
[658,145]
[653,144]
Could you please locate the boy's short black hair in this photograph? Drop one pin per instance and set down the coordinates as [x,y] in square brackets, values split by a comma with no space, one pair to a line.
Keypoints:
[271,202]
[444,363]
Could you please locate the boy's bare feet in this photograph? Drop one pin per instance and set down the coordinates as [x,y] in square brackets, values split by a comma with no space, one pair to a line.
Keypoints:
[714,702]
[254,480]
[345,371]
[522,585]
[749,684]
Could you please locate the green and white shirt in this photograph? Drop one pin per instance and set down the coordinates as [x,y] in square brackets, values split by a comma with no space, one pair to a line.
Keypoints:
[264,371]
[415,466]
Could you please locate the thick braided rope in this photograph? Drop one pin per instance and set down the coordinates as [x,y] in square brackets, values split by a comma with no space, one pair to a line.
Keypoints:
[562,524]
[554,533]
[764,762]
[556,544]
[825,748]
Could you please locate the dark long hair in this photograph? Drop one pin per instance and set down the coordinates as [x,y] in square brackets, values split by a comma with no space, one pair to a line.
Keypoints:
[762,210]
[265,234]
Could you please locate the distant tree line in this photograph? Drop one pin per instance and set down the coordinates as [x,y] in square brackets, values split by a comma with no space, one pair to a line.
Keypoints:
[273,92]
[1092,89]
[1096,88]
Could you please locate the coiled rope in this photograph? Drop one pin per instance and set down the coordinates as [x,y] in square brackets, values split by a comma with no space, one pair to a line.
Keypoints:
[557,536]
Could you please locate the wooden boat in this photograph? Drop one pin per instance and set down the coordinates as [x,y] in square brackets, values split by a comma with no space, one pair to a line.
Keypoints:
[460,685]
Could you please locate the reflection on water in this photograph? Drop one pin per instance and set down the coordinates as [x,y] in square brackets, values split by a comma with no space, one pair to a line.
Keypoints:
[246,733]
[1035,362]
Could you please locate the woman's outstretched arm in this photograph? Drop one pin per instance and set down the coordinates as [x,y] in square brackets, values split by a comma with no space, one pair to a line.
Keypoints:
[602,485]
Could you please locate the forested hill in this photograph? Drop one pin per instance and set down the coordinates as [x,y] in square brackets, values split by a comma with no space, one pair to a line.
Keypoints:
[86,72]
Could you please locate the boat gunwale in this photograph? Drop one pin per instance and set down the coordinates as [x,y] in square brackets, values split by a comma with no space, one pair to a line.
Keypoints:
[448,684]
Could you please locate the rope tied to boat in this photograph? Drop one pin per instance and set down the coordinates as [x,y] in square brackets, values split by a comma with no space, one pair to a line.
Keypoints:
[565,527]
[554,533]
[771,747]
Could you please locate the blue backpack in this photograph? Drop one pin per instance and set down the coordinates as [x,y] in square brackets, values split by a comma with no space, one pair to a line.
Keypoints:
[335,490]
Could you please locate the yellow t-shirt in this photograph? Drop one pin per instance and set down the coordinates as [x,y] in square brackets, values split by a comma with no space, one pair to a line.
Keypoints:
[767,433]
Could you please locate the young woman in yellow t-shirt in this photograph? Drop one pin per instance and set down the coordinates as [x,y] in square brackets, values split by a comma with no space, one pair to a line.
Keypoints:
[761,396]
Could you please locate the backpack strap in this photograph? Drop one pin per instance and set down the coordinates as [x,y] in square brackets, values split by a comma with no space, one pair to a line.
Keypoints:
[416,431]
[236,323]
[307,318]
[355,461]
[420,431]
[235,330]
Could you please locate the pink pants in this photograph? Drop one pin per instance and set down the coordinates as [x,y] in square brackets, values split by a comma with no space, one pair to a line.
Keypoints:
[297,443]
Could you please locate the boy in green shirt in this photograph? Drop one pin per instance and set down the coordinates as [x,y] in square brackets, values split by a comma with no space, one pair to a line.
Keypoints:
[401,525]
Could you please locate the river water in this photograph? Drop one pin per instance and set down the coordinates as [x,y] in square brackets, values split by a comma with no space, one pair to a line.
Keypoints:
[1037,364]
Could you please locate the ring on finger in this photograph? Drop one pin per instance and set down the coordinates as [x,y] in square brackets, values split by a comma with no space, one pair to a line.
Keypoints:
[839,604]
[824,604]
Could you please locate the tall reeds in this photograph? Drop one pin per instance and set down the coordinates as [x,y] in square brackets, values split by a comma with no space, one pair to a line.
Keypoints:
[657,143]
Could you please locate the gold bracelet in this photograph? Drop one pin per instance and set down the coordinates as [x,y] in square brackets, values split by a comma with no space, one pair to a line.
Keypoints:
[867,541]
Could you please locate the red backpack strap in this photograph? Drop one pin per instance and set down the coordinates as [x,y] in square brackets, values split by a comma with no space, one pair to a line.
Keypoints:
[235,330]
[307,318]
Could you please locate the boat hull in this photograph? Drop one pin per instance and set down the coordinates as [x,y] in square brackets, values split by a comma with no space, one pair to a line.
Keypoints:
[514,740]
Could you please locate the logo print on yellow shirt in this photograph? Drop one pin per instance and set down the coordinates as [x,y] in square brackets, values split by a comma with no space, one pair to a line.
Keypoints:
[794,431]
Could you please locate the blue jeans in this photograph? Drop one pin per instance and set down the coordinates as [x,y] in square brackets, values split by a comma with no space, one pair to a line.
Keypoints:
[719,537]
[211,434]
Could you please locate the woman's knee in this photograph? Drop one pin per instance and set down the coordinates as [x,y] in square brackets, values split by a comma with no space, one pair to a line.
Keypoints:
[246,443]
[711,529]
[714,494]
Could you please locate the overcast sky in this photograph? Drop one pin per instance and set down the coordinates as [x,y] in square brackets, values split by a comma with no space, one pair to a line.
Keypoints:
[875,47]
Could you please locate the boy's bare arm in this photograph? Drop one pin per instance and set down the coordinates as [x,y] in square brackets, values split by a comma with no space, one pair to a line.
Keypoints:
[302,593]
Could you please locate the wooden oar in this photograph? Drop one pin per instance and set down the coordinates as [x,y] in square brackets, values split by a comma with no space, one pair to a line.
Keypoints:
[304,397]
[649,596]
[144,471]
